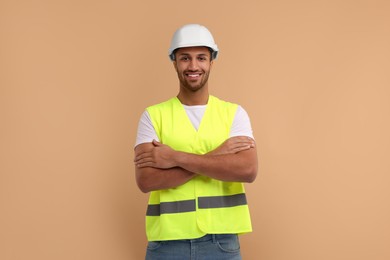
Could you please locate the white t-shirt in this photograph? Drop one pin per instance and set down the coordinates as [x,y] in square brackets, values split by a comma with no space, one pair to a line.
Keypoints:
[241,124]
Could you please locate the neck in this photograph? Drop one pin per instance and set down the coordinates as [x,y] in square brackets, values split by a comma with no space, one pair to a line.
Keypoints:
[200,97]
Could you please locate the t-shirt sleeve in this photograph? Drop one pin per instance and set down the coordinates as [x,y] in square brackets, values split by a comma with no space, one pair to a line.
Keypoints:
[145,132]
[241,124]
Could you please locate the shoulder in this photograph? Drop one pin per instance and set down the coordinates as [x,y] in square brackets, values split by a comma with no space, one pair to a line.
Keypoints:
[221,101]
[163,104]
[224,105]
[161,111]
[241,112]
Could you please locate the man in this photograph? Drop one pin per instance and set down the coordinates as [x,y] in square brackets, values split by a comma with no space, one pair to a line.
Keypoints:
[193,152]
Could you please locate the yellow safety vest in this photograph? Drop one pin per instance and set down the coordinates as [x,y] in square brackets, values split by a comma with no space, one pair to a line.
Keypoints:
[202,205]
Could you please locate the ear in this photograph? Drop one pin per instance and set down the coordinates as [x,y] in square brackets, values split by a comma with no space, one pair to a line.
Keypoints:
[175,65]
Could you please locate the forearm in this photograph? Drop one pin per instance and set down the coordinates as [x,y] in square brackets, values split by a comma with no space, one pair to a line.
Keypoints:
[151,179]
[238,167]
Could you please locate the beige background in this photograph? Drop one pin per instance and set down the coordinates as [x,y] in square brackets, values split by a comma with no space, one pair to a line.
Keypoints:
[76,75]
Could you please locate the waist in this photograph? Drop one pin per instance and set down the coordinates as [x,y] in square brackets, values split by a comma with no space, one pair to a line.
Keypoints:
[206,238]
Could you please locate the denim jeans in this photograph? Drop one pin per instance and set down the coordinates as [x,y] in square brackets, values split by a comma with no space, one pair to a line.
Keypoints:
[209,247]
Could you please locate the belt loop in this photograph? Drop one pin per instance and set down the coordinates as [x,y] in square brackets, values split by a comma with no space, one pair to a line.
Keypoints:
[214,236]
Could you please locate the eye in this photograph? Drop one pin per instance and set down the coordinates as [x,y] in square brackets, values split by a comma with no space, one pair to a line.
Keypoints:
[184,58]
[202,58]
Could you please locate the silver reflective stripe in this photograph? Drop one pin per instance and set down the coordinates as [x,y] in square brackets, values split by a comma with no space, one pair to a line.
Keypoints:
[203,203]
[222,201]
[171,207]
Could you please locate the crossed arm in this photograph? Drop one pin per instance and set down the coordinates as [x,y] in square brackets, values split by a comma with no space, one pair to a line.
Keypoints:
[158,166]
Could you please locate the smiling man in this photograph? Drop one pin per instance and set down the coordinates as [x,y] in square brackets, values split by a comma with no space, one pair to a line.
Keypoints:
[193,153]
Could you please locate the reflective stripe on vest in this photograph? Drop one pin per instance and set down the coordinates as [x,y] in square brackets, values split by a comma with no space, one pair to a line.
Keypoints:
[171,207]
[203,203]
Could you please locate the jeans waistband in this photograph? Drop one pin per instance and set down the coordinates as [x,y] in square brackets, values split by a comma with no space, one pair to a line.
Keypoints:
[208,237]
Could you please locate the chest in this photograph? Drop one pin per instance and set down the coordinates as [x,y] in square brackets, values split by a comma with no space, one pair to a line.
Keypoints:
[194,131]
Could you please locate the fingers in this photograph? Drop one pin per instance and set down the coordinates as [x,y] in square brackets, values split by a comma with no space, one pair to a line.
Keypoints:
[156,143]
[142,155]
[234,145]
[143,159]
[239,142]
[142,150]
[145,162]
[241,148]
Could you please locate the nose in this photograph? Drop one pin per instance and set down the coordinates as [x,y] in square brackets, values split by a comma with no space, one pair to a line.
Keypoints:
[193,65]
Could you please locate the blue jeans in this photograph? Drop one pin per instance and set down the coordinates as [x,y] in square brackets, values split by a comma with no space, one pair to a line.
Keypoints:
[209,247]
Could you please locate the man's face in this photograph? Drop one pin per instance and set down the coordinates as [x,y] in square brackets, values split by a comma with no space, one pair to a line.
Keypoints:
[193,66]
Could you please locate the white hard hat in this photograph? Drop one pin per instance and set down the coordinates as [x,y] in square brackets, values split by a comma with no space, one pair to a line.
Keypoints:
[191,35]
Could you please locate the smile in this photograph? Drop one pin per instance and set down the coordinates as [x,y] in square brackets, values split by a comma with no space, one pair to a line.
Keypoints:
[193,75]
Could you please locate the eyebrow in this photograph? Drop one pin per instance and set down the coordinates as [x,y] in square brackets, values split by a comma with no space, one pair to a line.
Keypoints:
[184,53]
